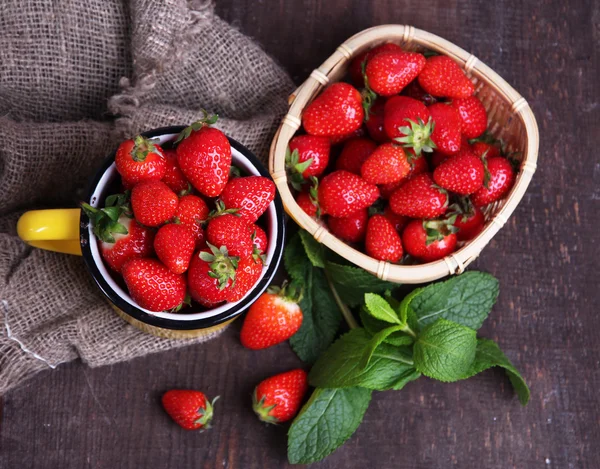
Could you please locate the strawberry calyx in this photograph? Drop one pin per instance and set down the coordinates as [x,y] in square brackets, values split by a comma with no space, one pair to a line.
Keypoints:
[187,301]
[463,207]
[206,120]
[234,172]
[313,193]
[438,229]
[221,210]
[487,176]
[368,95]
[263,411]
[142,147]
[206,414]
[417,135]
[105,221]
[291,292]
[295,169]
[186,191]
[222,266]
[257,254]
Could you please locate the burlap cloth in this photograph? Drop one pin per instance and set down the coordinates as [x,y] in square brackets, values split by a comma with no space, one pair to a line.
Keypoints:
[75,77]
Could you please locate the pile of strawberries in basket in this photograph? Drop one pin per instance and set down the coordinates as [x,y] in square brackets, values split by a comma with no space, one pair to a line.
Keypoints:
[183,227]
[400,163]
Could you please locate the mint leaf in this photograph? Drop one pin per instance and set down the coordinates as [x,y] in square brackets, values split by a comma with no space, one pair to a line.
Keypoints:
[390,367]
[314,250]
[379,338]
[321,317]
[325,422]
[488,355]
[380,309]
[373,326]
[404,307]
[445,350]
[353,282]
[466,299]
[294,258]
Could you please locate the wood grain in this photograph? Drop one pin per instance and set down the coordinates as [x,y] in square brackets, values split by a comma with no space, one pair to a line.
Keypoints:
[546,319]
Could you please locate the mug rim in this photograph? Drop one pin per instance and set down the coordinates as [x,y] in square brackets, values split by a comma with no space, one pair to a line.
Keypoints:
[167,323]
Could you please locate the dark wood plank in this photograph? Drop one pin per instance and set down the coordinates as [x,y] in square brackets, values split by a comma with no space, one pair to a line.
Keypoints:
[545,320]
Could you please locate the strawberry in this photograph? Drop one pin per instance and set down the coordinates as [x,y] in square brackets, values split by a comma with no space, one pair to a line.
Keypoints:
[408,122]
[351,228]
[397,221]
[375,122]
[354,154]
[473,116]
[387,73]
[358,133]
[429,240]
[153,203]
[307,156]
[189,409]
[359,62]
[418,165]
[174,245]
[174,177]
[211,275]
[419,197]
[414,90]
[342,193]
[152,286]
[501,181]
[382,240]
[140,159]
[259,239]
[336,111]
[204,156]
[232,232]
[438,158]
[443,77]
[191,212]
[273,318]
[462,173]
[307,203]
[446,130]
[386,165]
[386,190]
[248,272]
[469,219]
[251,195]
[277,399]
[490,150]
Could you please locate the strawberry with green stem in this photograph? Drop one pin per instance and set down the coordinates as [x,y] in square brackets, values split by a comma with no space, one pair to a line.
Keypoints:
[306,156]
[250,196]
[469,219]
[502,178]
[260,243]
[308,200]
[277,399]
[408,122]
[429,240]
[227,228]
[140,159]
[190,409]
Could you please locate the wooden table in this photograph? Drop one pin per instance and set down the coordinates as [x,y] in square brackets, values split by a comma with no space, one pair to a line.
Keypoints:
[546,319]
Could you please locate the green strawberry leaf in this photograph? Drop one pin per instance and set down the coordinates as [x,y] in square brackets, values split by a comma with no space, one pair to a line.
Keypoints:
[325,422]
[488,355]
[445,350]
[380,309]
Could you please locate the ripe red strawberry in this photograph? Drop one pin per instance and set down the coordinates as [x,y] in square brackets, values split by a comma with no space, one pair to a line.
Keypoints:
[383,241]
[273,318]
[336,139]
[211,275]
[342,193]
[251,195]
[153,203]
[152,286]
[204,156]
[189,409]
[397,221]
[429,240]
[414,90]
[360,61]
[375,121]
[191,212]
[140,159]
[418,165]
[469,219]
[247,273]
[462,173]
[446,130]
[386,165]
[473,116]
[438,158]
[308,156]
[277,399]
[408,122]
[490,150]
[174,177]
[443,77]
[354,154]
[260,243]
[501,181]
[174,245]
[387,73]
[351,228]
[306,203]
[336,111]
[230,231]
[419,197]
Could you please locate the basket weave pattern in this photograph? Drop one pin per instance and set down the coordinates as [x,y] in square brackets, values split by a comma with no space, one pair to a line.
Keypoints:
[509,118]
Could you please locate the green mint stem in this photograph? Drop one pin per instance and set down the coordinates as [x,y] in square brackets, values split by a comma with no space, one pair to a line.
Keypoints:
[409,331]
[352,324]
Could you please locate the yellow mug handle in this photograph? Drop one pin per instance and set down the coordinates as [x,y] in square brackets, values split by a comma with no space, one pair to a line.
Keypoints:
[53,230]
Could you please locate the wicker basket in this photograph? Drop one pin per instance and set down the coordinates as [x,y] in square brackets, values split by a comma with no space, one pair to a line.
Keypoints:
[510,118]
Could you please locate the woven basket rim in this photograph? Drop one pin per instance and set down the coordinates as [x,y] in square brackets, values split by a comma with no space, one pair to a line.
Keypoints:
[456,262]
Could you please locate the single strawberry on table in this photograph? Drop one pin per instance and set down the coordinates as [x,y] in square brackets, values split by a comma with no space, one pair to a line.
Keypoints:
[502,178]
[192,211]
[386,165]
[153,286]
[463,173]
[354,154]
[408,122]
[308,156]
[204,156]
[153,203]
[387,73]
[473,116]
[277,399]
[336,111]
[382,240]
[140,159]
[174,245]
[351,228]
[250,195]
[342,193]
[446,129]
[419,197]
[174,177]
[273,318]
[429,240]
[190,409]
[443,77]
